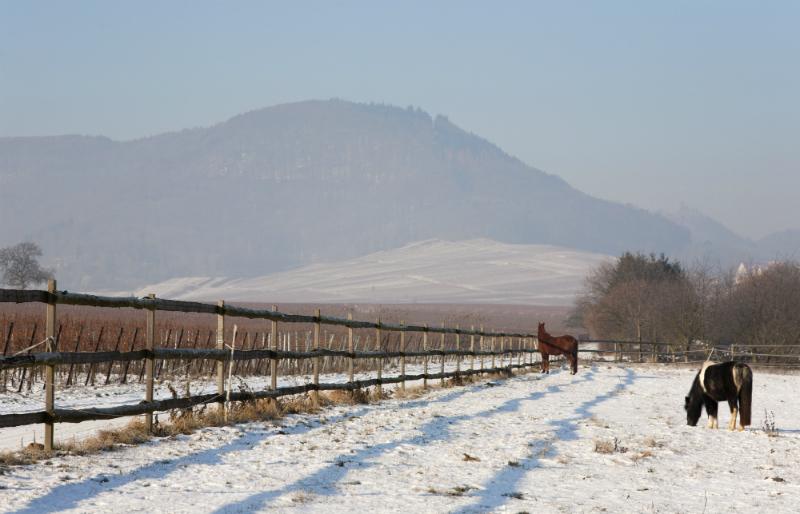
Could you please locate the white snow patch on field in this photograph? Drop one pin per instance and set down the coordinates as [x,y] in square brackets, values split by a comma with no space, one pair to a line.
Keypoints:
[530,440]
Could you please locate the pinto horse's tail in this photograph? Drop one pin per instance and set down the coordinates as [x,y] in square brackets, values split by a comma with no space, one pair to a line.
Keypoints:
[745,393]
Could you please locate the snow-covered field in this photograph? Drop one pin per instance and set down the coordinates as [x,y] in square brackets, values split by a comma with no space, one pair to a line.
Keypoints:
[475,271]
[523,444]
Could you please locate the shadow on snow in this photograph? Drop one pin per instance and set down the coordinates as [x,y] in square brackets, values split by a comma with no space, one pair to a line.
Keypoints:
[69,495]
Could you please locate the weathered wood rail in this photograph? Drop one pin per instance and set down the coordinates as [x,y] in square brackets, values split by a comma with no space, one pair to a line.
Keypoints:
[51,357]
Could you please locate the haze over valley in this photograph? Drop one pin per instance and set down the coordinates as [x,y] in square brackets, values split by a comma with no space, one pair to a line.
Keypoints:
[307,183]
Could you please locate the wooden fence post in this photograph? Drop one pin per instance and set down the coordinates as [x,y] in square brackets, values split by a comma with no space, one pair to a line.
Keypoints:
[380,359]
[351,364]
[273,363]
[472,349]
[480,342]
[50,371]
[441,347]
[5,352]
[221,346]
[403,357]
[149,363]
[492,350]
[425,357]
[458,357]
[317,326]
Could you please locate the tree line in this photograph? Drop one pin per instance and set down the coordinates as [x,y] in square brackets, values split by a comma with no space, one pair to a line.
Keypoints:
[652,298]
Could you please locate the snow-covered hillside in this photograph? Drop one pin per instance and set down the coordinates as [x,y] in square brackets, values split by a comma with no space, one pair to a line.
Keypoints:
[610,439]
[435,271]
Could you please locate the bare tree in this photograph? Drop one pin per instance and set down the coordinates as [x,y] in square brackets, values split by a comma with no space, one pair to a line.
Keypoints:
[761,308]
[20,265]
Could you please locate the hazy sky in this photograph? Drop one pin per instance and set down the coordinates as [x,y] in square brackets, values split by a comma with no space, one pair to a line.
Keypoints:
[648,103]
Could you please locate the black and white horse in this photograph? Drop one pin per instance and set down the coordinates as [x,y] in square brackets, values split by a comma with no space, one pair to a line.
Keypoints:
[728,381]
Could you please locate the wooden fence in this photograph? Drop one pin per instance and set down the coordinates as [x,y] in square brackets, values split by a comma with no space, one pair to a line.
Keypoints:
[51,357]
[500,345]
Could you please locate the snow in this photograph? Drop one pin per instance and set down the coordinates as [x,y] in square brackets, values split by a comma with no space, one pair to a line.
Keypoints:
[434,271]
[530,440]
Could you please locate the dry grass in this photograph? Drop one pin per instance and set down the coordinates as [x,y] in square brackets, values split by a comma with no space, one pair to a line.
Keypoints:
[636,457]
[31,454]
[132,433]
[187,421]
[605,446]
[651,442]
[458,490]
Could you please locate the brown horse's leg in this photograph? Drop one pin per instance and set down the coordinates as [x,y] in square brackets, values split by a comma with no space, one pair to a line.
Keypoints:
[545,363]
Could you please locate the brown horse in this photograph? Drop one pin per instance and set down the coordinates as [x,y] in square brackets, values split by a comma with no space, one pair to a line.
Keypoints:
[561,345]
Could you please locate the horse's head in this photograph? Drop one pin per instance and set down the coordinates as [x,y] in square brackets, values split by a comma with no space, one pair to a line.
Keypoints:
[541,326]
[693,404]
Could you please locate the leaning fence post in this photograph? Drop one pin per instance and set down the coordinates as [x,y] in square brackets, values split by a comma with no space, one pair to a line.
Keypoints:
[50,371]
[221,346]
[149,363]
[317,323]
[403,357]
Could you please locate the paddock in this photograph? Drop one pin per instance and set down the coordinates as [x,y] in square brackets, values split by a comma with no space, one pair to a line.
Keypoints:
[612,438]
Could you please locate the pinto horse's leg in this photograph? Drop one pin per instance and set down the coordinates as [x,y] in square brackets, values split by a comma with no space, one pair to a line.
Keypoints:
[734,406]
[711,409]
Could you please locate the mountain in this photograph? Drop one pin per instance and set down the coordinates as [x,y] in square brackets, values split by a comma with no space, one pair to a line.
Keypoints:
[781,245]
[288,186]
[710,240]
[475,271]
[714,243]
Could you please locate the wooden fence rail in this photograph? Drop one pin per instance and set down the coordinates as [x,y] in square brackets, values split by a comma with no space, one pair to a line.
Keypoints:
[155,358]
[222,309]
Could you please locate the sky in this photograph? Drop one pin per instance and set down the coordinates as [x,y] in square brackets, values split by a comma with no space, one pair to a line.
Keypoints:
[653,104]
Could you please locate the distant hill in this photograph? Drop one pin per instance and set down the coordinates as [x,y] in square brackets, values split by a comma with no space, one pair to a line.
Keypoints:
[287,186]
[477,271]
[781,245]
[714,243]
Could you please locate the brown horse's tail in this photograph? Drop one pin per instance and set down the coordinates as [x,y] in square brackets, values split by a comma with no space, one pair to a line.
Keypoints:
[745,394]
